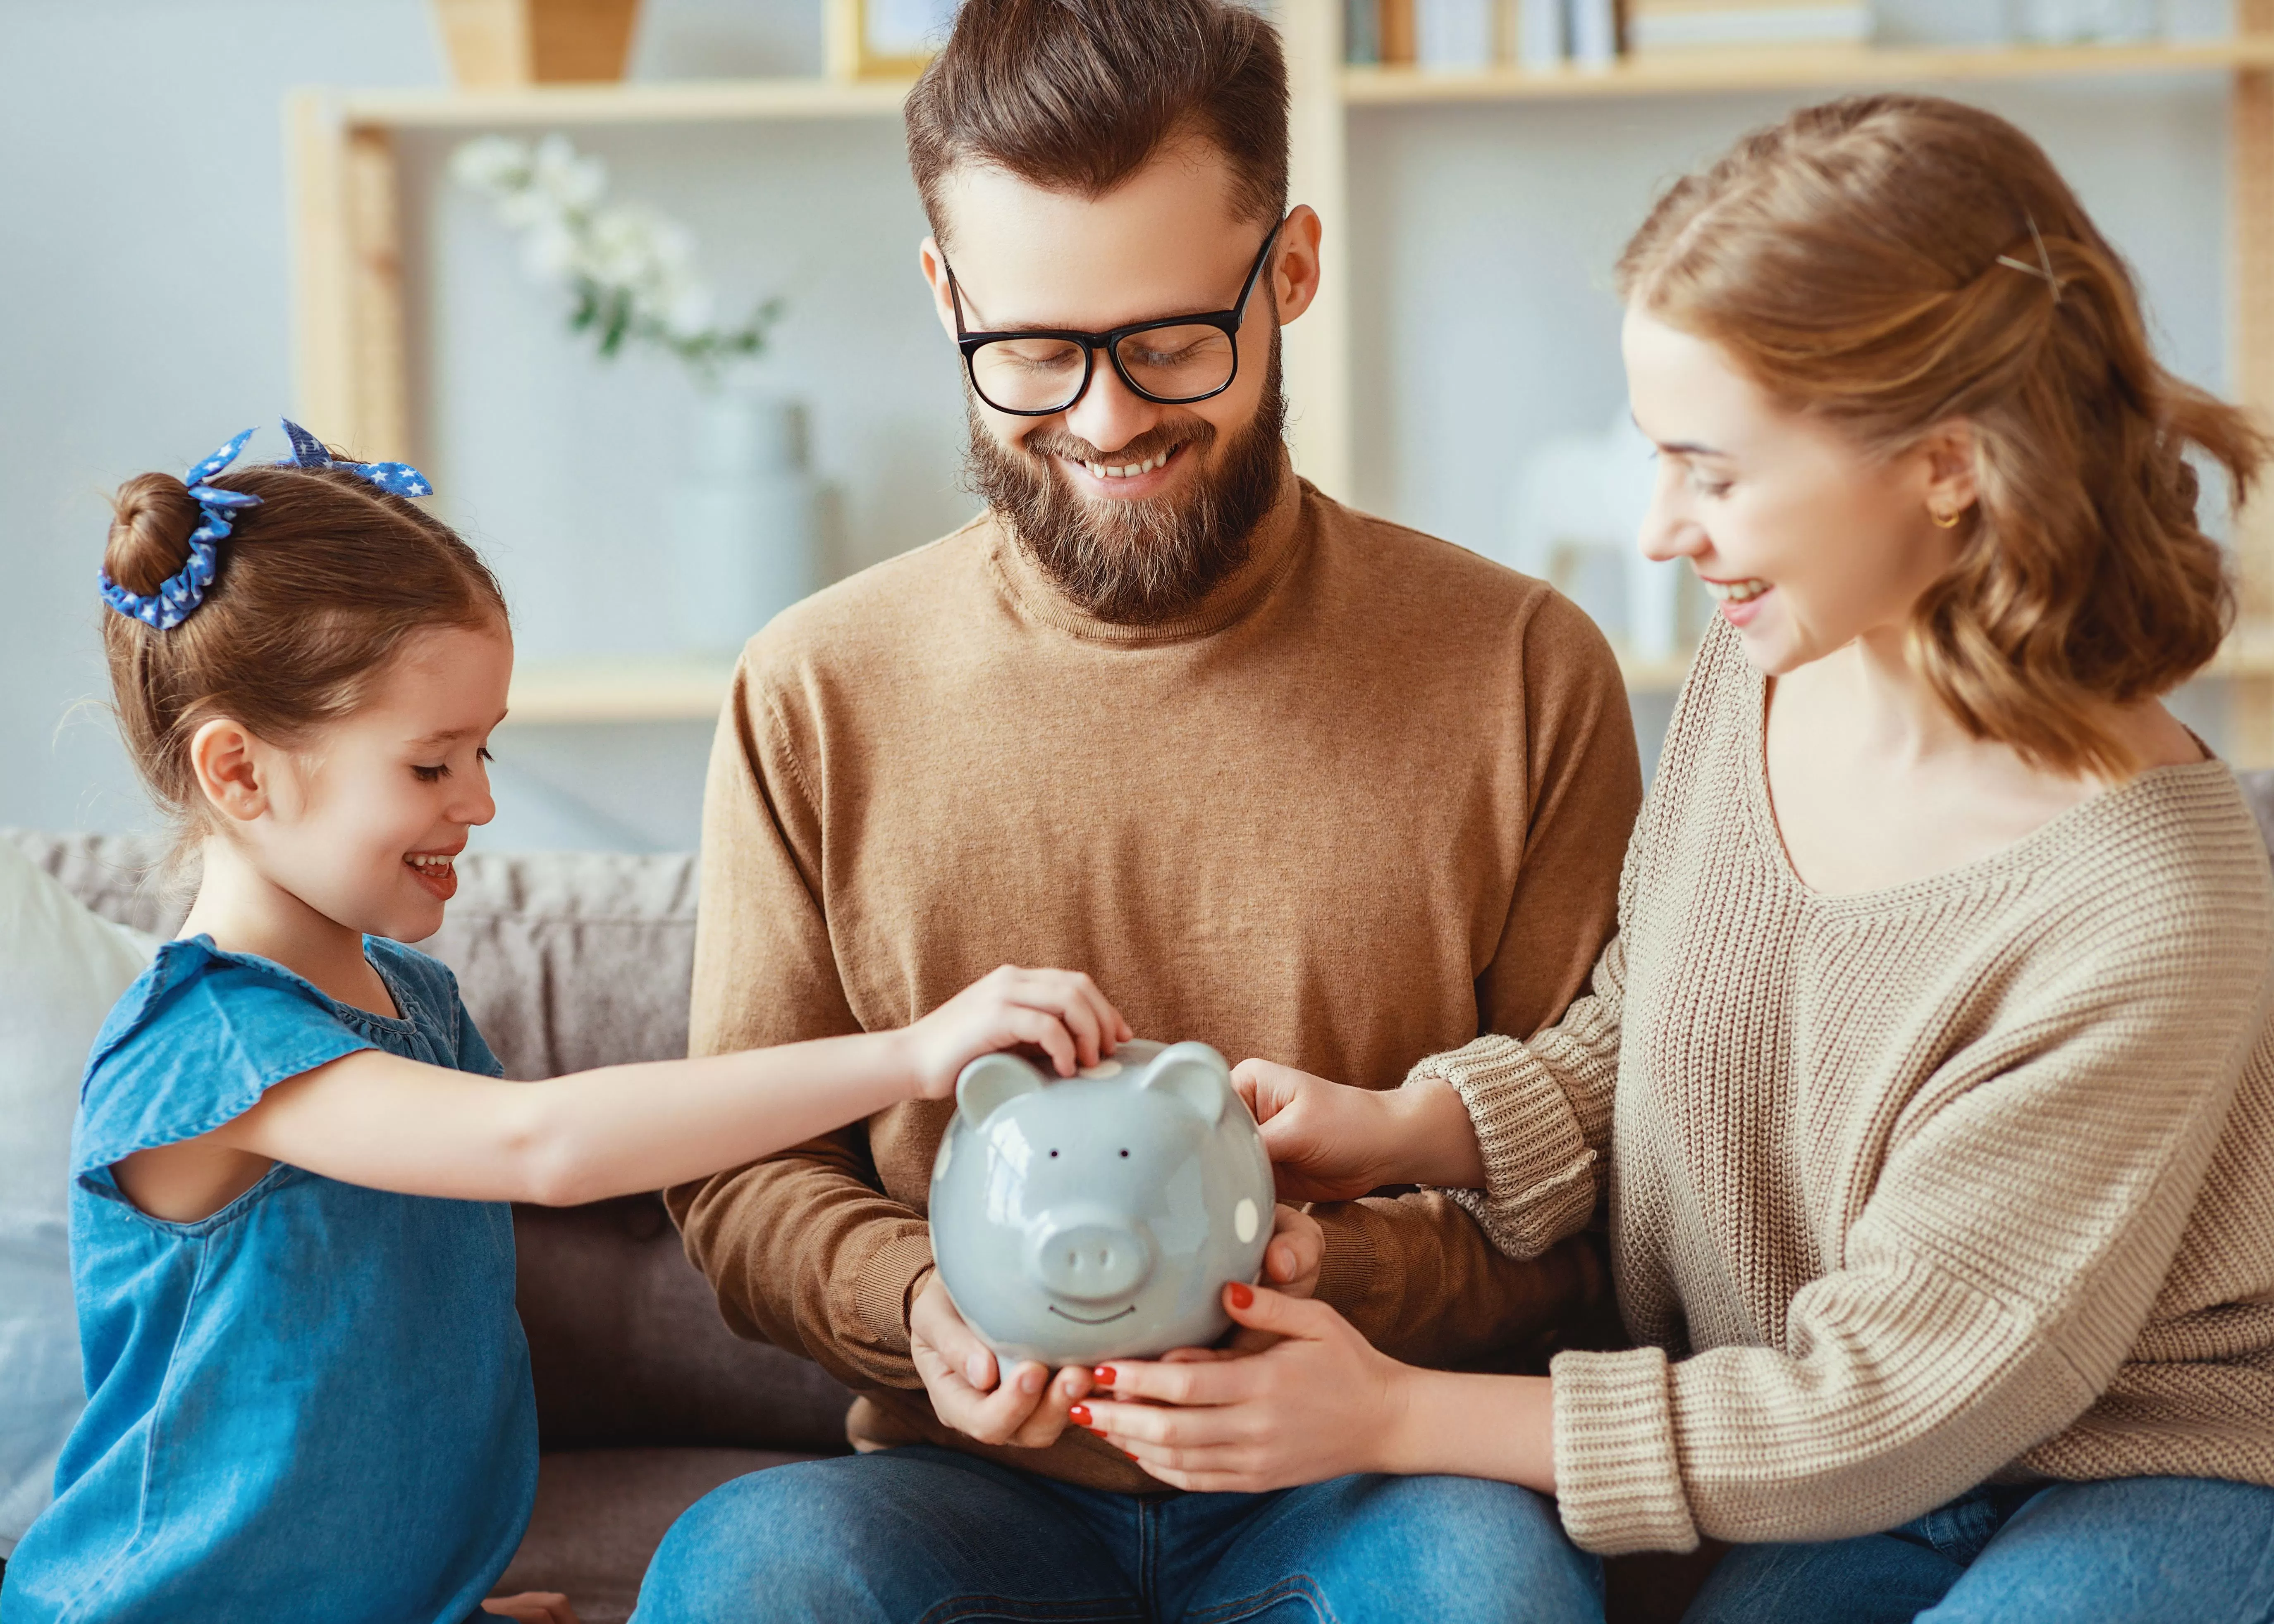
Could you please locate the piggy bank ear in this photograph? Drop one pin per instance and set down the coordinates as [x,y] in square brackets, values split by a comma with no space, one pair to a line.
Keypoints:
[988,1081]
[1195,1074]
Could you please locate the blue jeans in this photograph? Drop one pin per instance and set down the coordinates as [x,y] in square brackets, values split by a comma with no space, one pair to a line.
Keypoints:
[928,1535]
[2127,1551]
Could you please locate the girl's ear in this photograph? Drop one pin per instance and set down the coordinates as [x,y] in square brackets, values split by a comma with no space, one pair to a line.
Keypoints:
[227,759]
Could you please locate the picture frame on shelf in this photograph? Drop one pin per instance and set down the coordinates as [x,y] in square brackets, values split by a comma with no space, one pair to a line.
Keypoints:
[884,39]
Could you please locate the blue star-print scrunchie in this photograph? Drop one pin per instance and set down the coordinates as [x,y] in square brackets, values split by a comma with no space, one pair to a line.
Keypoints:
[179,594]
[394,479]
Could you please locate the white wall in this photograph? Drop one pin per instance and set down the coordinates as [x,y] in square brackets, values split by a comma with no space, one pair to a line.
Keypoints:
[143,279]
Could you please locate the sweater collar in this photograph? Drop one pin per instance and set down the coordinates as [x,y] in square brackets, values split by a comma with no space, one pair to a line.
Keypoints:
[1274,550]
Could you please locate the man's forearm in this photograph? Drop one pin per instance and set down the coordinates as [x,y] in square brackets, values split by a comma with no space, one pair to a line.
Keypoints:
[1421,1282]
[805,1253]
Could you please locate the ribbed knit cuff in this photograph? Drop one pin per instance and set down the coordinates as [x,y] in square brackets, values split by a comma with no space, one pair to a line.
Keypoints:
[1539,1184]
[1618,1481]
[881,1286]
[1346,1267]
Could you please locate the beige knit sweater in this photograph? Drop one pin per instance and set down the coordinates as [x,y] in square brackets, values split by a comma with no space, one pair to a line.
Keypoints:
[1970,1177]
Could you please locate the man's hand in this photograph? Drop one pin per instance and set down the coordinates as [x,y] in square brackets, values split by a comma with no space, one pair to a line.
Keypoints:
[1026,1407]
[1059,1012]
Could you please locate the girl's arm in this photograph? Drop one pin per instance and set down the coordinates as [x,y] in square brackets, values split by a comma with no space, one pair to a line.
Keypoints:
[1517,1131]
[374,1119]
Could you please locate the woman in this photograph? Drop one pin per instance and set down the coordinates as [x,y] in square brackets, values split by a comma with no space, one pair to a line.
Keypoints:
[1928,1081]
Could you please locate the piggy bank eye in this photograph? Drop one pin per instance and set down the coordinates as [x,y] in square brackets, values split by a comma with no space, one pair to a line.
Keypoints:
[1125,1156]
[1054,1156]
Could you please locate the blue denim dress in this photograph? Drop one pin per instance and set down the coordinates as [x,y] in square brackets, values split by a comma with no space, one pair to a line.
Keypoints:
[314,1403]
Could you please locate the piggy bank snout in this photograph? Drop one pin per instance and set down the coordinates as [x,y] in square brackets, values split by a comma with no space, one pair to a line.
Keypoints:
[1090,1256]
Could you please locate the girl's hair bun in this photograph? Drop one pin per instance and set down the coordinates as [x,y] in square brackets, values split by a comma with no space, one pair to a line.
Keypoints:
[152,518]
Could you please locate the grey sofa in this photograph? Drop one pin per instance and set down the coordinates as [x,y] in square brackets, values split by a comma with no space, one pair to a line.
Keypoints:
[645,1401]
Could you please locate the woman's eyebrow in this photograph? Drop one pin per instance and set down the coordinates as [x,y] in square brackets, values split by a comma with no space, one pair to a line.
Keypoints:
[1678,447]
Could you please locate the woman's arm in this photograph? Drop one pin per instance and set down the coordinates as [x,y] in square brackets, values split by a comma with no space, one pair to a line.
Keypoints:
[1516,1132]
[1318,1404]
[375,1119]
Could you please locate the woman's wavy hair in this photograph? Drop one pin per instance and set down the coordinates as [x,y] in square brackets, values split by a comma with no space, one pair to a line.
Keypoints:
[1892,263]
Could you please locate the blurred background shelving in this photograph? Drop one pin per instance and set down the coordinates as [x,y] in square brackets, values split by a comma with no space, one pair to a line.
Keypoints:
[1472,216]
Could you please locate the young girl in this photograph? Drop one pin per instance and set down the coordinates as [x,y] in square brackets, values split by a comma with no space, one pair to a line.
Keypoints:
[308,1393]
[1929,1080]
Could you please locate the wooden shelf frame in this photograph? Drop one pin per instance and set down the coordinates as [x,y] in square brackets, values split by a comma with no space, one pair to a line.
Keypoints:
[350,327]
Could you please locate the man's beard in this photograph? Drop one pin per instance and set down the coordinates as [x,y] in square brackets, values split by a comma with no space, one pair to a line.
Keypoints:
[1145,561]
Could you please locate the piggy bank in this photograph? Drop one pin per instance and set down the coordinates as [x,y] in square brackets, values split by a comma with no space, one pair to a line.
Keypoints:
[1099,1216]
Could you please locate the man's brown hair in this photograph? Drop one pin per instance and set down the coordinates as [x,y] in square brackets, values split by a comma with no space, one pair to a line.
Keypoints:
[1077,95]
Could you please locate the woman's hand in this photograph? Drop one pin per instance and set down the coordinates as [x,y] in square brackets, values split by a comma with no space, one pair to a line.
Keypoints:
[1059,1012]
[1322,1401]
[1331,1142]
[1326,1140]
[533,1607]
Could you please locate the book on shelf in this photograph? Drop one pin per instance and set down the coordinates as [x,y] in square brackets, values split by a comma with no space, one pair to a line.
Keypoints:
[1454,33]
[1541,33]
[1362,32]
[1592,32]
[1690,24]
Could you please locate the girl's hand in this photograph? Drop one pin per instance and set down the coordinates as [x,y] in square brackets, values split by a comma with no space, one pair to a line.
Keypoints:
[1320,1403]
[1059,1012]
[533,1607]
[1326,1139]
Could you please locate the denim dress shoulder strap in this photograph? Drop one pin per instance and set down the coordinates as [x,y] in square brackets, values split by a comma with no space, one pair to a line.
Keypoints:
[314,1402]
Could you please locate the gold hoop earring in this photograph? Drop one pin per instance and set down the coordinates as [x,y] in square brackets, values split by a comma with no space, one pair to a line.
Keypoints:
[1946,521]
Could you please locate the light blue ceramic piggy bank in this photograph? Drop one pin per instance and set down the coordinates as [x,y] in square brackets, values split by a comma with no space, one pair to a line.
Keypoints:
[1099,1216]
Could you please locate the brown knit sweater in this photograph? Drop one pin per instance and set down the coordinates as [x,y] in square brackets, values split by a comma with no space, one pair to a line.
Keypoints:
[1368,802]
[1970,1177]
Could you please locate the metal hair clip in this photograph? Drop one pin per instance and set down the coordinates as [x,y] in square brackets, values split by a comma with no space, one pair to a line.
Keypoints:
[2043,266]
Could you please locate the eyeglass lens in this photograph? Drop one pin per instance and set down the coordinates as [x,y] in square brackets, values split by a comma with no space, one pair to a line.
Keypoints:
[1169,364]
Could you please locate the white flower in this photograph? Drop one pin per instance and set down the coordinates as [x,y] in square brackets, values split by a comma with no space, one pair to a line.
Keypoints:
[494,164]
[551,252]
[574,182]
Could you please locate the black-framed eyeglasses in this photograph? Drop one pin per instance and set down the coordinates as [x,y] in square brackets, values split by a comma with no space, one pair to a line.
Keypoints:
[1041,372]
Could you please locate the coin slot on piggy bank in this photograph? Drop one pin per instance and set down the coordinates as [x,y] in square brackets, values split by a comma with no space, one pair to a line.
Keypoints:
[1099,1216]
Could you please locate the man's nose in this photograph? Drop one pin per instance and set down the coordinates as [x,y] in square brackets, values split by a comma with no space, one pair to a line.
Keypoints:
[1110,414]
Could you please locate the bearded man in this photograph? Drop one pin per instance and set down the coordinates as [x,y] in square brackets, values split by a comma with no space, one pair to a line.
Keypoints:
[1282,777]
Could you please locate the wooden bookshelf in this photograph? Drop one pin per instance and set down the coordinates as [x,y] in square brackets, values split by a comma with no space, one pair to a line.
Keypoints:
[1826,68]
[350,330]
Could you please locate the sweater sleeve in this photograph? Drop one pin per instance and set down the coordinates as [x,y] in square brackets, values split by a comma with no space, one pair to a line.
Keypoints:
[803,1248]
[1425,1279]
[2031,1196]
[1542,1115]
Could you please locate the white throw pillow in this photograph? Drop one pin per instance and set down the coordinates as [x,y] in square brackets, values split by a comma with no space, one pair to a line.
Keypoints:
[61,969]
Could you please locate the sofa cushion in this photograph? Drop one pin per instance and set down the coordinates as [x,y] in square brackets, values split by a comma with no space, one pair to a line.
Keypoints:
[61,969]
[601,1513]
[627,1347]
[567,959]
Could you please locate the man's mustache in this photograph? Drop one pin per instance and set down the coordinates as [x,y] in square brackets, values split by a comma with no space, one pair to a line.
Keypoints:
[1150,444]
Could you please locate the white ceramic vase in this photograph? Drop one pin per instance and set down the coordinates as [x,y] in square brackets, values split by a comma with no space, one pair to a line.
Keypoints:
[747,520]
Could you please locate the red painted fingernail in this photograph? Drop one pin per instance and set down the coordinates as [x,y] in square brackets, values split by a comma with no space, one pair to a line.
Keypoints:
[1079,1415]
[1241,1297]
[1131,1456]
[1102,1375]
